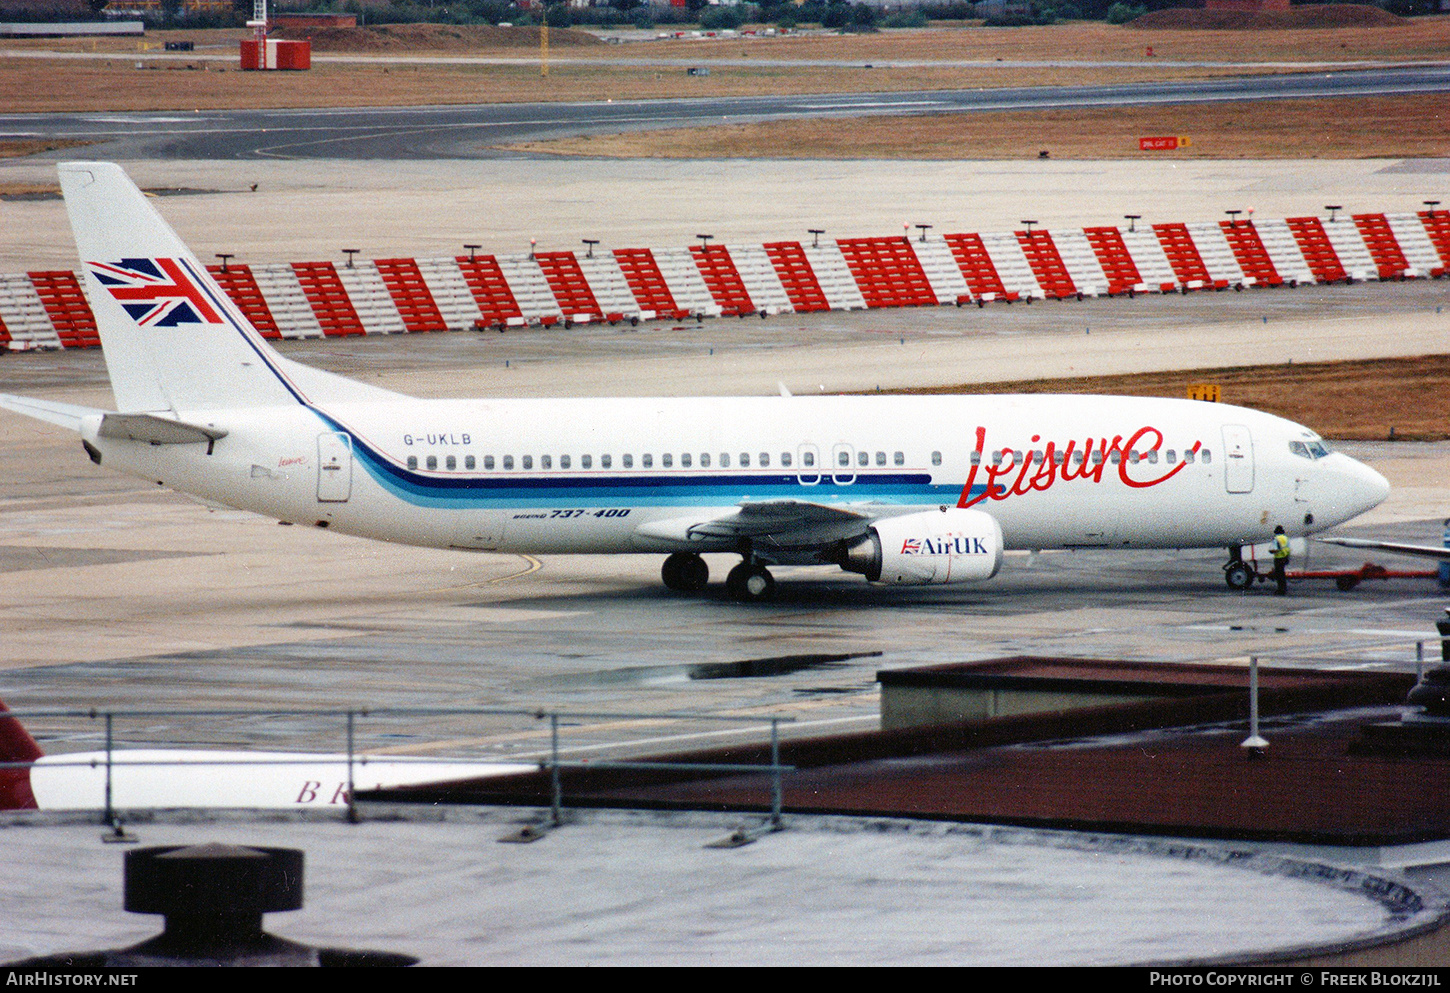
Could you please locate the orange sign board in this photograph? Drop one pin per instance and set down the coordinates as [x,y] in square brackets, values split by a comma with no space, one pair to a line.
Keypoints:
[1163,143]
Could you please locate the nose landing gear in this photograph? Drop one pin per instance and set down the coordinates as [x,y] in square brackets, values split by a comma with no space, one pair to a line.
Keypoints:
[1238,575]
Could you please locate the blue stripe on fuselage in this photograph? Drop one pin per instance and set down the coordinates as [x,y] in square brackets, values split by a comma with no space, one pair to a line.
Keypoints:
[653,489]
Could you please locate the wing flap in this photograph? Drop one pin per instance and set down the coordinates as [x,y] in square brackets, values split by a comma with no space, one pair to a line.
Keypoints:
[766,518]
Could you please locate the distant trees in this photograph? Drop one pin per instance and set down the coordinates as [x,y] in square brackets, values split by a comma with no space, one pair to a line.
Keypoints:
[1122,13]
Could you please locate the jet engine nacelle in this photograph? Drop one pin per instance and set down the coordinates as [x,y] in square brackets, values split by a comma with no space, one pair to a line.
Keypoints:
[950,545]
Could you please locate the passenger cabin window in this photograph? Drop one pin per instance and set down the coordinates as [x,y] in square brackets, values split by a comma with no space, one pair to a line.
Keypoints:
[1188,457]
[899,458]
[625,460]
[508,461]
[808,459]
[667,460]
[936,458]
[880,458]
[469,463]
[432,462]
[685,460]
[725,460]
[1207,456]
[785,459]
[450,463]
[587,461]
[1152,457]
[564,462]
[704,460]
[412,461]
[605,461]
[863,458]
[647,461]
[545,462]
[843,458]
[764,460]
[1172,457]
[488,462]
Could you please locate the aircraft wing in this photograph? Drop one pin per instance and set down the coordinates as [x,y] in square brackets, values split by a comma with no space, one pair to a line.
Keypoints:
[1421,551]
[67,415]
[782,522]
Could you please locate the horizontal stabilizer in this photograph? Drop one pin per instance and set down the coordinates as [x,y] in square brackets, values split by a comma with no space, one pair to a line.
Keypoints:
[156,430]
[1420,551]
[67,415]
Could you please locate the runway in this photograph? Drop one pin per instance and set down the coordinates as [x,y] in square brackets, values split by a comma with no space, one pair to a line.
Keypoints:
[468,132]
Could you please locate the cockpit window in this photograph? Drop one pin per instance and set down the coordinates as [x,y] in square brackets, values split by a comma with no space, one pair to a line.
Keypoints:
[1300,449]
[1318,449]
[1309,450]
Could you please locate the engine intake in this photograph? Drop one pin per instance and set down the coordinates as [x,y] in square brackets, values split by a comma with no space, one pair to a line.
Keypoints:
[950,545]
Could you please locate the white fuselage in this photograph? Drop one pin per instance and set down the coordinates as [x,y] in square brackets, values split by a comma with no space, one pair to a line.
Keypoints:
[561,476]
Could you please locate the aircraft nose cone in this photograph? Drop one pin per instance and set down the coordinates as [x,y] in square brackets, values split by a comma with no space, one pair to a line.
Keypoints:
[1368,488]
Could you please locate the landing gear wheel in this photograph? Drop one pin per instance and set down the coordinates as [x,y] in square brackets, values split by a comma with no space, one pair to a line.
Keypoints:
[1238,576]
[750,582]
[685,572]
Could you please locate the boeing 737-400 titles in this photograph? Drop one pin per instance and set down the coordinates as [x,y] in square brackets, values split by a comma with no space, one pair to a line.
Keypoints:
[901,489]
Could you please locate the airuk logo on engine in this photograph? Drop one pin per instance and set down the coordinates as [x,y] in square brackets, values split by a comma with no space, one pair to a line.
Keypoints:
[953,545]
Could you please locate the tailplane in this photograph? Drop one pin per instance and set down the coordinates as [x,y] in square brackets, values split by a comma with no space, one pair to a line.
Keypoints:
[173,340]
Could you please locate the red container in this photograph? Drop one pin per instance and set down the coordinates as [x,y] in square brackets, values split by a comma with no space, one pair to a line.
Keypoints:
[276,54]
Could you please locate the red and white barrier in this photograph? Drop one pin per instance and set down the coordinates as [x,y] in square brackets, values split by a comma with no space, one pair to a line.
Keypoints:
[402,295]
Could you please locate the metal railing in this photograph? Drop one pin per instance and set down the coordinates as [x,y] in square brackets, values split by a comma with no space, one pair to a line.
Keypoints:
[350,717]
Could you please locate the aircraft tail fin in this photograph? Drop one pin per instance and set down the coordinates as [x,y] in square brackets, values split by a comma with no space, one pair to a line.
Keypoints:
[16,745]
[172,338]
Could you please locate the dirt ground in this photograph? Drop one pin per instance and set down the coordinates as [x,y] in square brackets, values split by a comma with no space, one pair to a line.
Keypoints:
[90,83]
[1338,15]
[1421,38]
[1397,399]
[1368,127]
[38,86]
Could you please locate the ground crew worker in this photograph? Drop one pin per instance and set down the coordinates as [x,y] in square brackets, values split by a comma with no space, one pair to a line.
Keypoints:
[1281,561]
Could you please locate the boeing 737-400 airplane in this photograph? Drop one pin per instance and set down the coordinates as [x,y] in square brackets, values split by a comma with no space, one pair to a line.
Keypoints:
[901,489]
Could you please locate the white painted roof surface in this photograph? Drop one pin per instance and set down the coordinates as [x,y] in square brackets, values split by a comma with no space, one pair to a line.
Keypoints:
[828,890]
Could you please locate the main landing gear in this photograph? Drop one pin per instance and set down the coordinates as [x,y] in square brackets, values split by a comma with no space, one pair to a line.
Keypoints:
[748,582]
[685,572]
